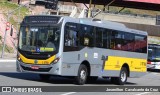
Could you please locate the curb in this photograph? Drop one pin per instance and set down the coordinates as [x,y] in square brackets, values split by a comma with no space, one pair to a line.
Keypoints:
[7,60]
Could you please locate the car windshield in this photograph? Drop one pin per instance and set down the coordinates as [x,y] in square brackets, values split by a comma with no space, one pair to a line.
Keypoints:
[39,39]
[154,53]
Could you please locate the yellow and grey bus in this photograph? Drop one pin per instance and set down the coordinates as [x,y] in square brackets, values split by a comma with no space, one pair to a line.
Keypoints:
[81,48]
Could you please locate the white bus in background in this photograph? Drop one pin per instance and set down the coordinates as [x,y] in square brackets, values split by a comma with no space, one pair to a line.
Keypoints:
[153,56]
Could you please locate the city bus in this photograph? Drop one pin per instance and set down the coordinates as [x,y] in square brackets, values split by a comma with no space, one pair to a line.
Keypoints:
[153,56]
[82,48]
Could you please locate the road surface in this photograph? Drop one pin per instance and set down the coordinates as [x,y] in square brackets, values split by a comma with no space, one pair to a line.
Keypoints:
[9,77]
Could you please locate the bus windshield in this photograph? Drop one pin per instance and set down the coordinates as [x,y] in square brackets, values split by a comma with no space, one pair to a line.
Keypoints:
[154,54]
[39,38]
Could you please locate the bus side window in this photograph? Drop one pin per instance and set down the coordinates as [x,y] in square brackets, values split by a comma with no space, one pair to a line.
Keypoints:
[113,40]
[86,35]
[71,36]
[99,37]
[140,44]
[107,38]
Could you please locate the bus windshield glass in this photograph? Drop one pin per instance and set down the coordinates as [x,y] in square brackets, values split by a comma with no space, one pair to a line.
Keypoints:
[39,39]
[154,54]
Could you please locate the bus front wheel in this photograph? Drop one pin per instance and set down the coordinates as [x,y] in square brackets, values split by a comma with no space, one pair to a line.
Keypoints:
[82,75]
[122,79]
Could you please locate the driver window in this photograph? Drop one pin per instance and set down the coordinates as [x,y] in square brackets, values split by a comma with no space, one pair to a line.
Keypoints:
[71,37]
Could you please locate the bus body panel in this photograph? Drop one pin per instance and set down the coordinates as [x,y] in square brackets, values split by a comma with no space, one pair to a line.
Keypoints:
[70,61]
[43,69]
[135,61]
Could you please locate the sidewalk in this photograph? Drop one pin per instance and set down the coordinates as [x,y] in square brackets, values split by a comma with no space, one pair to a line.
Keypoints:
[8,57]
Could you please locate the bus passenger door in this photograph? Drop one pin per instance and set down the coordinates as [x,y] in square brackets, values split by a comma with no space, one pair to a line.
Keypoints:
[70,50]
[101,44]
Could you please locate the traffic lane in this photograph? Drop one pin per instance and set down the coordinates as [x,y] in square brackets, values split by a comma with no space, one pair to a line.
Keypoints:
[2,63]
[8,72]
[150,79]
[15,78]
[28,79]
[7,66]
[9,77]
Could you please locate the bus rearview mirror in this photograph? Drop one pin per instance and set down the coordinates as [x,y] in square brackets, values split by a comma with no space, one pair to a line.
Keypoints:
[11,32]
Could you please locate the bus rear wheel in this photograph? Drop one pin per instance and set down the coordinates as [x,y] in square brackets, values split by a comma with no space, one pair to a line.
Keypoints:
[44,77]
[122,79]
[82,75]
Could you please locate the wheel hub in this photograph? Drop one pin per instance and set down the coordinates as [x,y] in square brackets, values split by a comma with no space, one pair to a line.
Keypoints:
[123,76]
[83,74]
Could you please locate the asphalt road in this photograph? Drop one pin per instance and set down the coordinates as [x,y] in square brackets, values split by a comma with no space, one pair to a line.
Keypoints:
[9,77]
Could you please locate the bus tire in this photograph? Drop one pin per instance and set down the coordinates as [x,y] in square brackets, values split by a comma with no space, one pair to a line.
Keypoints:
[44,77]
[82,75]
[122,79]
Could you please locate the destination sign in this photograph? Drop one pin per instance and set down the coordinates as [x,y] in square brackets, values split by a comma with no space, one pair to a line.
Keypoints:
[41,19]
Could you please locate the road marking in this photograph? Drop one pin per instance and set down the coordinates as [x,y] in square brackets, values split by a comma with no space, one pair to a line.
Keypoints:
[143,93]
[7,60]
[68,93]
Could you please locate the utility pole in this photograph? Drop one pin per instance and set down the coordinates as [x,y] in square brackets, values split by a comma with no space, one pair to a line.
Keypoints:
[89,10]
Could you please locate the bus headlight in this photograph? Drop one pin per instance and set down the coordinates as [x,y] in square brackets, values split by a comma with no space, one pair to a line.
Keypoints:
[55,60]
[18,56]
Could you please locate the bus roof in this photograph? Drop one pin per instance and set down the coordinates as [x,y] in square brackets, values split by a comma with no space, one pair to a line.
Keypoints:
[94,22]
[113,25]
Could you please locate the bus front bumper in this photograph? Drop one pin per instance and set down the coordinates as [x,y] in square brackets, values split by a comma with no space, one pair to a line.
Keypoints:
[40,69]
[156,65]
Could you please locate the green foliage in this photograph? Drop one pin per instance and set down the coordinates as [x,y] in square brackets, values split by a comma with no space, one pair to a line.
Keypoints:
[127,11]
[6,6]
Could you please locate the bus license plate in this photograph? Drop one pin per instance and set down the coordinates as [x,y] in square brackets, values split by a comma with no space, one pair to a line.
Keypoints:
[35,67]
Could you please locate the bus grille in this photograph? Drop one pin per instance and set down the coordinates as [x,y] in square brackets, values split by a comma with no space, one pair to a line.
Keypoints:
[37,70]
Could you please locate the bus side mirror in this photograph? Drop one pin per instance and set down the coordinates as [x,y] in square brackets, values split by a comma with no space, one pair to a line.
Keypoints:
[11,32]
